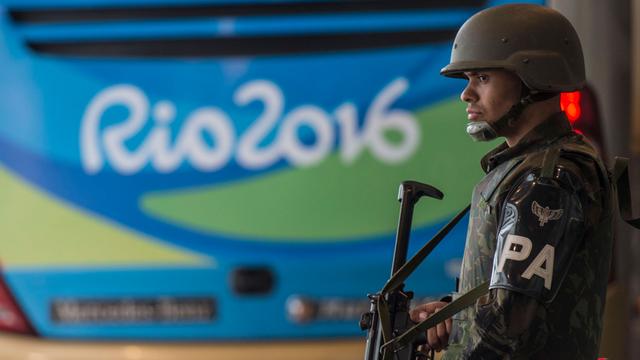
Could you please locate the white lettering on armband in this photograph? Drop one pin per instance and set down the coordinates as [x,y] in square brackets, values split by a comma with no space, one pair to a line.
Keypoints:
[545,257]
[518,248]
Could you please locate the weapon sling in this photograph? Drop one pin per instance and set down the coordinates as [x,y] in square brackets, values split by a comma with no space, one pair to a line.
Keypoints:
[469,298]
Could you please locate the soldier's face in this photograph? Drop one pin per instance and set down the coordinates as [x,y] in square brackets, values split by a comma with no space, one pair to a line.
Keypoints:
[490,94]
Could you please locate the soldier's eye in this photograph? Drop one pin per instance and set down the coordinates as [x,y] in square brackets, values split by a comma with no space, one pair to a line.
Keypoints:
[483,78]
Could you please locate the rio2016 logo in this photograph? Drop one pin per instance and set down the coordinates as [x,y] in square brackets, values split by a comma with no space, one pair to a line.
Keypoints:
[99,146]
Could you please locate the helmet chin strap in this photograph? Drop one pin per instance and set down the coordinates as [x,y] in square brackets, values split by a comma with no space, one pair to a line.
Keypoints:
[484,131]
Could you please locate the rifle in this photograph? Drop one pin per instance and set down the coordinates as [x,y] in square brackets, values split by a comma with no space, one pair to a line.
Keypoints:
[391,333]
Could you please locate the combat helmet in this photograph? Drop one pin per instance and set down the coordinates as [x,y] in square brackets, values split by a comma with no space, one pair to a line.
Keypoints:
[536,43]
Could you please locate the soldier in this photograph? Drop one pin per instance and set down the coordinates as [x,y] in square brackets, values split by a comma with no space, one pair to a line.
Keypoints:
[540,221]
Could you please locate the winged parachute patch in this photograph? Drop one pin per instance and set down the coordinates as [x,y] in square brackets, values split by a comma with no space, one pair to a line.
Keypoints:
[545,214]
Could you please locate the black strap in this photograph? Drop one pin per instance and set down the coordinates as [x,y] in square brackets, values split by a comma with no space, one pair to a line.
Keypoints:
[621,180]
[403,273]
[549,161]
[454,307]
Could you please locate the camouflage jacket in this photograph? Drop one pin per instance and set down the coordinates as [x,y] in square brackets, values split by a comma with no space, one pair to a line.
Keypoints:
[540,230]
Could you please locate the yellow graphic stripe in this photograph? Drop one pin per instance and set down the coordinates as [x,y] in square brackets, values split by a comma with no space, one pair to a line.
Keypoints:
[38,230]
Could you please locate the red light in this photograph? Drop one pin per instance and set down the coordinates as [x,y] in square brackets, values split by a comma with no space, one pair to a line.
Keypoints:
[570,104]
[572,96]
[11,318]
[581,109]
[573,112]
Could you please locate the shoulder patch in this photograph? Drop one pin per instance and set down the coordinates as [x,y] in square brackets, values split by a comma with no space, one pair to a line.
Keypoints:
[545,214]
[541,226]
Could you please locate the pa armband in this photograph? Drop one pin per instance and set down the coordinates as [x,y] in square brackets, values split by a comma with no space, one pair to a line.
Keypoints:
[541,227]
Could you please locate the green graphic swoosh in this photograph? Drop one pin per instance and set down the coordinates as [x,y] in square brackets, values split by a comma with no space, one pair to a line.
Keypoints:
[334,201]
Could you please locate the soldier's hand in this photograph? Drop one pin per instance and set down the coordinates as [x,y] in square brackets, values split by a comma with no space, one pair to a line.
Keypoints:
[437,336]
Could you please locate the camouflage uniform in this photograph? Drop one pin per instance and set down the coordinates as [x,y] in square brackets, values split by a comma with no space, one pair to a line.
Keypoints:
[540,230]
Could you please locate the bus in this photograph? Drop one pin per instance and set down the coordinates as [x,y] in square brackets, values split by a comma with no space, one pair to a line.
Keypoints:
[206,179]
